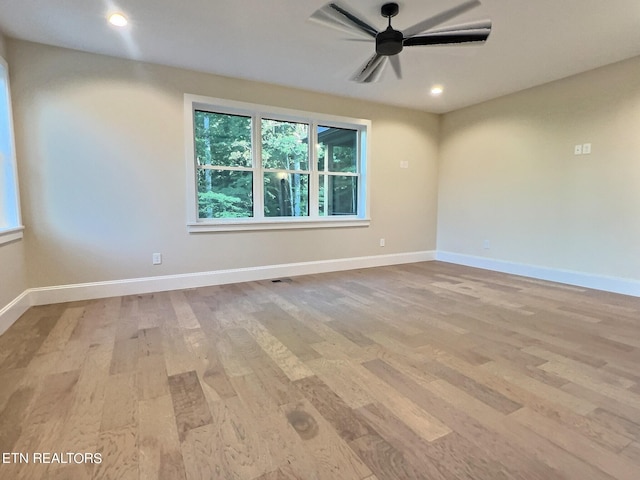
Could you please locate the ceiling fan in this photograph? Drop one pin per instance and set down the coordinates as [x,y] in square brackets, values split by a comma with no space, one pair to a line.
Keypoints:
[390,42]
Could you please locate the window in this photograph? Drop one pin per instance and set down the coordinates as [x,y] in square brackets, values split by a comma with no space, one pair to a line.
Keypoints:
[256,167]
[10,222]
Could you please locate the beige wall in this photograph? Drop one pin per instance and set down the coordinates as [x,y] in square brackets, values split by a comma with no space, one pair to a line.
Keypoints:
[13,279]
[3,51]
[508,175]
[101,152]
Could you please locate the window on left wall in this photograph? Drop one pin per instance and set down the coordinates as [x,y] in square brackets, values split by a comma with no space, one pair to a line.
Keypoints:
[10,220]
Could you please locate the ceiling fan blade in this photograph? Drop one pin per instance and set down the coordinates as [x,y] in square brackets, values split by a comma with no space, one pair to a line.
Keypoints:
[440,18]
[469,36]
[479,25]
[371,70]
[377,71]
[334,16]
[395,63]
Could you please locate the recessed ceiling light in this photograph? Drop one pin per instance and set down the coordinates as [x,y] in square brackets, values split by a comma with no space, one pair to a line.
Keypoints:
[118,19]
[437,90]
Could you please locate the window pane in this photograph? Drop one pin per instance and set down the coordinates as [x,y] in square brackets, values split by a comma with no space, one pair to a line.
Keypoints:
[337,149]
[285,145]
[9,214]
[286,194]
[338,195]
[225,193]
[222,140]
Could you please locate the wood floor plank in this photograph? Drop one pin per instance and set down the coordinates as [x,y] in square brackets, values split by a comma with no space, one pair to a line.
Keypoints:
[176,353]
[632,453]
[160,456]
[584,369]
[233,362]
[579,446]
[291,364]
[606,402]
[296,336]
[333,457]
[27,342]
[386,460]
[333,409]
[273,429]
[401,438]
[572,402]
[119,451]
[125,356]
[53,400]
[492,444]
[564,464]
[120,403]
[604,433]
[203,453]
[189,403]
[616,423]
[590,381]
[332,372]
[234,450]
[422,422]
[273,378]
[62,330]
[45,422]
[184,312]
[476,389]
[12,417]
[209,367]
[80,433]
[10,380]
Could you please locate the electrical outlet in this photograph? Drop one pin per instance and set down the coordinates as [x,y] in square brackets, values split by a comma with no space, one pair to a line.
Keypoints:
[404,164]
[586,148]
[382,242]
[486,245]
[156,258]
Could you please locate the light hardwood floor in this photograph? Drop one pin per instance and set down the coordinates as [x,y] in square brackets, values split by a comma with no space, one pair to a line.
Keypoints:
[429,371]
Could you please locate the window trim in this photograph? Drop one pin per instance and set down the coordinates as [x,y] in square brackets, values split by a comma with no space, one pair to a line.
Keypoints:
[13,231]
[257,112]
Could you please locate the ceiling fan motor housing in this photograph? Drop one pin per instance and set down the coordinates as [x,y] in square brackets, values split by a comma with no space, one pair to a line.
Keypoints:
[389,42]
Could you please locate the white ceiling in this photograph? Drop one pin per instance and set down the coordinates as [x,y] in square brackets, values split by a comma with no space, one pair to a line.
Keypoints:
[532,42]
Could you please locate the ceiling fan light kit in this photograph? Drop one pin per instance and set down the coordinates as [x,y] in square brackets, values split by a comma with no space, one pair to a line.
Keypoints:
[390,42]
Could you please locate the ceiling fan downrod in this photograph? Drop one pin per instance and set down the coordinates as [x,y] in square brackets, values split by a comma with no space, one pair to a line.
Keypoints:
[389,41]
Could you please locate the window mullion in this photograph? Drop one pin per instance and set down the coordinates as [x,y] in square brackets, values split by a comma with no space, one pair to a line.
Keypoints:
[314,186]
[258,174]
[361,170]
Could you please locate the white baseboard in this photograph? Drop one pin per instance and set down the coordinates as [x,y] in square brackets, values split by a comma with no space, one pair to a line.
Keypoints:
[14,310]
[624,286]
[134,286]
[87,291]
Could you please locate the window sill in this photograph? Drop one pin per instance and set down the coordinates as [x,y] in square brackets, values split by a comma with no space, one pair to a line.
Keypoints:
[8,235]
[249,225]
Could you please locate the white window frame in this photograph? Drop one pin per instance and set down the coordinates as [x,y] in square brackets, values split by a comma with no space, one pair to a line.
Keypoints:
[11,227]
[259,221]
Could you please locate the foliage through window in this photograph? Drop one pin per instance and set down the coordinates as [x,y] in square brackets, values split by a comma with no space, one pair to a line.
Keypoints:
[253,167]
[225,174]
